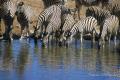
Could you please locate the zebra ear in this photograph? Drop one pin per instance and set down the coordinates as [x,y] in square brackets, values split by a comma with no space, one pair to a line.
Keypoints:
[21,3]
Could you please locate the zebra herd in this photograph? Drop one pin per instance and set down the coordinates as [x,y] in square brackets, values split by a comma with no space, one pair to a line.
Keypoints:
[98,22]
[57,22]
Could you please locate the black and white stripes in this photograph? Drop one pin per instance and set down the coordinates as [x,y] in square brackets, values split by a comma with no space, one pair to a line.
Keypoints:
[24,14]
[110,27]
[48,3]
[68,23]
[79,3]
[84,26]
[47,18]
[98,13]
[7,12]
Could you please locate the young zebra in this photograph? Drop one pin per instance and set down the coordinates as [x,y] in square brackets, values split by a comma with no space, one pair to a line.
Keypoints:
[99,13]
[7,12]
[24,14]
[84,26]
[110,27]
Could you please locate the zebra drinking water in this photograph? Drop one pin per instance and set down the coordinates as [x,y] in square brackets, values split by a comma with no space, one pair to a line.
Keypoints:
[84,26]
[110,27]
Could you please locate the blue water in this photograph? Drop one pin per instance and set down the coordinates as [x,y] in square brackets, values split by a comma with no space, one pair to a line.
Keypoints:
[22,60]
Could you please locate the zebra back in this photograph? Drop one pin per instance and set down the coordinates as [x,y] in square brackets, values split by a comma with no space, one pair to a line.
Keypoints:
[98,13]
[69,22]
[45,15]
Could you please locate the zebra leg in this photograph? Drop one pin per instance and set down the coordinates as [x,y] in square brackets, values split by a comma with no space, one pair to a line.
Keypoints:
[0,30]
[48,41]
[7,28]
[27,33]
[93,37]
[22,32]
[101,42]
[115,38]
[109,38]
[81,38]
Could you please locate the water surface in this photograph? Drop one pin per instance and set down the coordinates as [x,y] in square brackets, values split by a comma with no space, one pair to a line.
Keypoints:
[22,60]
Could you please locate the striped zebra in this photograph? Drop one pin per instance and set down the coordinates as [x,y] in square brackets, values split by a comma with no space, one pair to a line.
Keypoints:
[80,3]
[110,27]
[99,13]
[50,16]
[68,23]
[114,8]
[48,3]
[7,12]
[3,1]
[24,14]
[53,25]
[83,26]
[48,20]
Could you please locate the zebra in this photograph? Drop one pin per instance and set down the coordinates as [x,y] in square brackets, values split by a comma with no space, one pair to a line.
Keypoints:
[114,9]
[24,14]
[7,13]
[47,18]
[68,23]
[83,26]
[53,25]
[79,3]
[99,13]
[48,3]
[3,1]
[110,27]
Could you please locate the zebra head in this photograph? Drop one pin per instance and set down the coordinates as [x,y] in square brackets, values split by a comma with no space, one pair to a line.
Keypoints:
[67,36]
[20,9]
[38,34]
[101,43]
[97,31]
